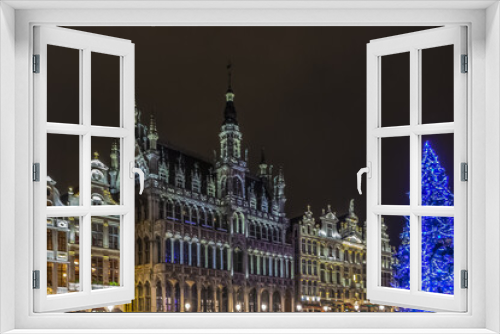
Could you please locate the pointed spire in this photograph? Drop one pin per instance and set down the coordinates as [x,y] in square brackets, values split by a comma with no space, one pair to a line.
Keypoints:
[230,111]
[153,134]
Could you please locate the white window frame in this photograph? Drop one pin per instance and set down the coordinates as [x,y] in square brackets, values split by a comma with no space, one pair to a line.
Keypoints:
[483,20]
[85,43]
[414,43]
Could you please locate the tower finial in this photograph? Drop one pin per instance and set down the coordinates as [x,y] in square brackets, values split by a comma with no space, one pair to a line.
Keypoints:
[262,156]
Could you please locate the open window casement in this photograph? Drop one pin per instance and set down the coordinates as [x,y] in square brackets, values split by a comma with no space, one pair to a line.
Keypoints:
[434,270]
[83,231]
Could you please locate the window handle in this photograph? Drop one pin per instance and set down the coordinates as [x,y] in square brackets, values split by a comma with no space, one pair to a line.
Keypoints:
[135,170]
[368,171]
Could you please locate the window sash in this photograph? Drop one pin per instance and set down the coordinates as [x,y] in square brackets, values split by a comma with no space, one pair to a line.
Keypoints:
[86,43]
[413,42]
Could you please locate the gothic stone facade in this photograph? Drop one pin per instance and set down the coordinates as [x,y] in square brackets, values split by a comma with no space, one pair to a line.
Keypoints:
[210,236]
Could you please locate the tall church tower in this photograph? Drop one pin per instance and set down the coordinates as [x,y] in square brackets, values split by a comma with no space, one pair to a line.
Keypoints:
[231,167]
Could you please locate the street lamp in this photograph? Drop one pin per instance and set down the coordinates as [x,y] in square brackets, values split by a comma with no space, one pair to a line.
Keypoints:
[238,307]
[325,308]
[299,308]
[187,306]
[110,308]
[264,307]
[356,307]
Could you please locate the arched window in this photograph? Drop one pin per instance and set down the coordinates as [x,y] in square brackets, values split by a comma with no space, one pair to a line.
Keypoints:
[264,232]
[252,230]
[168,250]
[224,300]
[309,267]
[237,187]
[177,251]
[315,249]
[195,216]
[322,250]
[210,256]
[225,264]
[169,298]
[258,231]
[202,256]
[177,298]
[252,301]
[194,254]
[147,289]
[186,214]
[140,293]
[177,211]
[238,261]
[159,297]
[315,268]
[139,251]
[170,210]
[194,298]
[223,222]
[210,219]
[147,250]
[218,254]
[276,302]
[186,252]
[158,250]
[309,247]
[264,299]
[303,246]
[241,221]
[162,209]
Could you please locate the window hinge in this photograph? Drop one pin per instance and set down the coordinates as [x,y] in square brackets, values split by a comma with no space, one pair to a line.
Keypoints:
[36,279]
[465,279]
[36,63]
[465,64]
[464,171]
[36,172]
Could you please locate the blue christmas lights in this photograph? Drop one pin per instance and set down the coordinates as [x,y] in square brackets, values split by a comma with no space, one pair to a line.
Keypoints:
[437,233]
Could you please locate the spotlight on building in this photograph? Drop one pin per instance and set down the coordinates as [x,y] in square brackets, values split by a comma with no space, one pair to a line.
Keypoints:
[238,307]
[356,307]
[299,308]
[264,307]
[110,308]
[187,306]
[381,307]
[325,308]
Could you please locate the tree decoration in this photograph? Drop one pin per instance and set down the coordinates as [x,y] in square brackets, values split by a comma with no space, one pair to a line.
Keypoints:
[437,233]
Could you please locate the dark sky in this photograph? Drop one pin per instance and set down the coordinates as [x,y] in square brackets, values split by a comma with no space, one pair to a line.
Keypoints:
[300,94]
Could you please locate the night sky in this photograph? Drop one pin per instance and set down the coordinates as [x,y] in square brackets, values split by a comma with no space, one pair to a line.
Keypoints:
[300,93]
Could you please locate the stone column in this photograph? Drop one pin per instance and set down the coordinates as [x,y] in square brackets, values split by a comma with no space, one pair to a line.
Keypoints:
[245,262]
[198,291]
[214,302]
[271,260]
[198,254]
[245,299]
[205,265]
[214,257]
[190,254]
[181,287]
[252,269]
[153,297]
[172,250]
[287,274]
[282,295]
[221,258]
[291,269]
[229,261]
[264,265]
[230,300]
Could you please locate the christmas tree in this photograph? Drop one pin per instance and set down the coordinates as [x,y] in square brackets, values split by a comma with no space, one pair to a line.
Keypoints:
[437,233]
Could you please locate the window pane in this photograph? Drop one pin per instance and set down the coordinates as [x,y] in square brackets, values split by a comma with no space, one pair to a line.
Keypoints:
[395,185]
[63,85]
[105,90]
[437,254]
[105,252]
[63,244]
[395,252]
[437,170]
[437,84]
[105,173]
[63,170]
[395,94]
